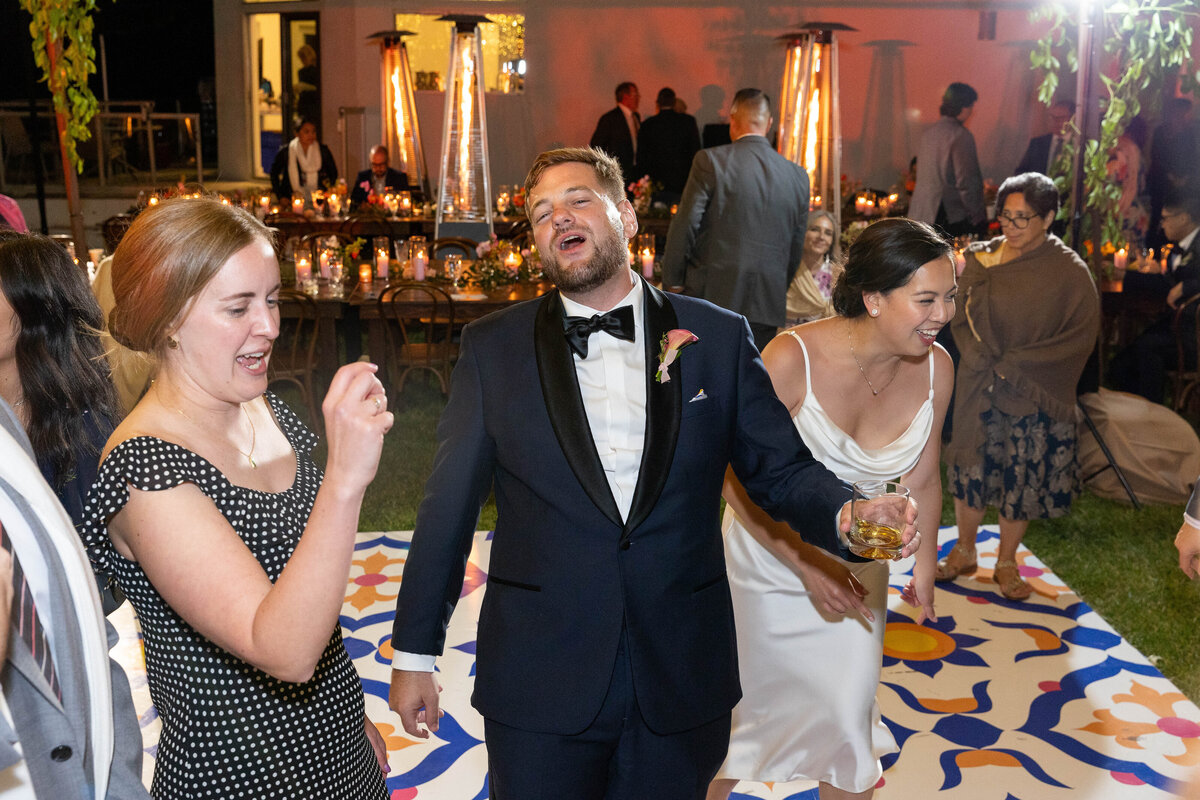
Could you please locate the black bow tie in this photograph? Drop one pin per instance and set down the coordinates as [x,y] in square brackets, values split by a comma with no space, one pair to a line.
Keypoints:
[618,323]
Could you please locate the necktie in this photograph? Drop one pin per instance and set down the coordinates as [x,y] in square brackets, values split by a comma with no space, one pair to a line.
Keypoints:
[1055,147]
[27,621]
[618,323]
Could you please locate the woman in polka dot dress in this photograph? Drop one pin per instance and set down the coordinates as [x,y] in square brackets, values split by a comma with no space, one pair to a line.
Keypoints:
[219,528]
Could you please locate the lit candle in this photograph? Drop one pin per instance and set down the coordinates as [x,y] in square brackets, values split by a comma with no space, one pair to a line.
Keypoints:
[298,205]
[364,273]
[324,264]
[632,255]
[381,263]
[512,261]
[1120,259]
[224,201]
[860,204]
[335,204]
[647,262]
[406,203]
[154,200]
[960,262]
[304,269]
[420,260]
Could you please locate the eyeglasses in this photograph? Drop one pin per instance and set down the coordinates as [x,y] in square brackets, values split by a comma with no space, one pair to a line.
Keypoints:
[1020,223]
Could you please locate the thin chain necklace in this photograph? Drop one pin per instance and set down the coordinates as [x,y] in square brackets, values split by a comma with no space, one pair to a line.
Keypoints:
[253,434]
[875,392]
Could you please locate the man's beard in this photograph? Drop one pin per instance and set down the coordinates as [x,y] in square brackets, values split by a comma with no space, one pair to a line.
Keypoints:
[610,258]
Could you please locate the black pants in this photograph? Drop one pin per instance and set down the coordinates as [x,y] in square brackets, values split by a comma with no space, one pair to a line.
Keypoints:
[616,758]
[1141,368]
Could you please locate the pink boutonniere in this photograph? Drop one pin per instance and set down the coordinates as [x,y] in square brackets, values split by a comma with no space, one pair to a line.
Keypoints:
[672,343]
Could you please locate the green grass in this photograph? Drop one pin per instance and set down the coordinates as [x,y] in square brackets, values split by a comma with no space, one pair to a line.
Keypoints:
[1121,562]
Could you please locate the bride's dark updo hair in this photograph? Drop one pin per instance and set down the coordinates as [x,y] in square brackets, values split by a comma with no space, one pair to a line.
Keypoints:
[883,258]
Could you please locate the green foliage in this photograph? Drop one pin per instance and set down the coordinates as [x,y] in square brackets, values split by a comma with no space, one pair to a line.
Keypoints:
[62,48]
[1148,43]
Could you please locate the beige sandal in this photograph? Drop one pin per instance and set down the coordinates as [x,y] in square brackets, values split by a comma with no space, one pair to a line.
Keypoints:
[959,561]
[1015,588]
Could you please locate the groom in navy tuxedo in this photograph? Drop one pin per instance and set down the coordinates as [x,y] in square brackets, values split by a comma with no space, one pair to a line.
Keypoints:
[606,658]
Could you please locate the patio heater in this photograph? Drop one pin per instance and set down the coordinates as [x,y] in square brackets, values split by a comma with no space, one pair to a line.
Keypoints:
[464,187]
[401,129]
[810,118]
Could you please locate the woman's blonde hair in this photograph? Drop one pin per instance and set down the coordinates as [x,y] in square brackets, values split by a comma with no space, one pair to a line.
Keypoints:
[166,258]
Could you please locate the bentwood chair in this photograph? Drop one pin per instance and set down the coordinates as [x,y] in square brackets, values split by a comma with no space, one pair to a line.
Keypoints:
[419,321]
[294,354]
[453,244]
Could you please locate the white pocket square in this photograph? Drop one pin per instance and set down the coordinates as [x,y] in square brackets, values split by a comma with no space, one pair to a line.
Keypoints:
[700,395]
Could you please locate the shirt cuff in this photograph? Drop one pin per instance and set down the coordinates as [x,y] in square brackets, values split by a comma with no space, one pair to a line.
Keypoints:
[413,662]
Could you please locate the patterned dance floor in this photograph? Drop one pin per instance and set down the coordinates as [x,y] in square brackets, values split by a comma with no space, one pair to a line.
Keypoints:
[1038,700]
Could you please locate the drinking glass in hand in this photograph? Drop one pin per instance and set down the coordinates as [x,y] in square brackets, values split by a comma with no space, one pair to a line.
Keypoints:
[879,510]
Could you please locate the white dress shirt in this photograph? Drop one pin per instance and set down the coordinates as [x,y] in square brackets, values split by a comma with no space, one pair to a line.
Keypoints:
[612,381]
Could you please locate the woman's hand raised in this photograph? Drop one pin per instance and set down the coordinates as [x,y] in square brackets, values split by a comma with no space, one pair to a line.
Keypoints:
[356,419]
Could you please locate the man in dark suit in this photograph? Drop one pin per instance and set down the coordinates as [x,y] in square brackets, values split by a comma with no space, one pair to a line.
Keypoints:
[380,179]
[667,142]
[616,130]
[69,730]
[739,233]
[1042,150]
[606,664]
[1141,367]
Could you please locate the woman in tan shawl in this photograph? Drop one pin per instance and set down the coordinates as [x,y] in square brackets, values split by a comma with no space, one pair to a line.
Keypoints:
[1027,322]
[808,297]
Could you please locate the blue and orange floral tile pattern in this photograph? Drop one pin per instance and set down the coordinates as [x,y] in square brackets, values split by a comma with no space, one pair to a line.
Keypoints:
[1032,700]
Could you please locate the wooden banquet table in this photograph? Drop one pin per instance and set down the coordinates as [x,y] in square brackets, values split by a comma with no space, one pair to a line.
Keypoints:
[358,305]
[404,227]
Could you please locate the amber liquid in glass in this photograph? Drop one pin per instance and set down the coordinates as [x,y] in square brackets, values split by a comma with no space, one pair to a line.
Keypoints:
[872,540]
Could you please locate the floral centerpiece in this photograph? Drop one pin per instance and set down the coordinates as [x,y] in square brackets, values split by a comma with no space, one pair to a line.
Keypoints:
[500,263]
[643,190]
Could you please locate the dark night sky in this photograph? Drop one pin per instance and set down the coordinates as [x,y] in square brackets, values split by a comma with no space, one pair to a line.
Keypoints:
[156,51]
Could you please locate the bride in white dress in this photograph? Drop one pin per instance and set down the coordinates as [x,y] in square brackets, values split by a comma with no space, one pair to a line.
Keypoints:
[868,391]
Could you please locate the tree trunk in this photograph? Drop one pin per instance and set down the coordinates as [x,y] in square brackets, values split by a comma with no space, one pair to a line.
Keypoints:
[70,176]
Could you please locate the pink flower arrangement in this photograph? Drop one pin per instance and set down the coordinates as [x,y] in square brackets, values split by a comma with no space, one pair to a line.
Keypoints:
[672,342]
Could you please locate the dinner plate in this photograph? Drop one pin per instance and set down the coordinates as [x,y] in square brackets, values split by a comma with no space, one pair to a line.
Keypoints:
[468,296]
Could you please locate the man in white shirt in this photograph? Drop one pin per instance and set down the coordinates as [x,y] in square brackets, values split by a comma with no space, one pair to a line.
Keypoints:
[68,729]
[606,663]
[617,130]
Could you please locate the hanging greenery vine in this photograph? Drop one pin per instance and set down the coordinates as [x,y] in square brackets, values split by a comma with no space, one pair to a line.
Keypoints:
[1147,44]
[63,50]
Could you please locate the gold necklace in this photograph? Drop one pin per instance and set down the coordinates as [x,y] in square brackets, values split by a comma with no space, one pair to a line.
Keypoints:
[874,392]
[253,433]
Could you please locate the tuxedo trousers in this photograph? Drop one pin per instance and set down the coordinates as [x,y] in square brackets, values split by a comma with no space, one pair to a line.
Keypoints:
[617,757]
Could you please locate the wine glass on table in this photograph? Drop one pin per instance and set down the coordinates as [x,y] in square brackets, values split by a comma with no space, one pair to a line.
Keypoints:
[453,264]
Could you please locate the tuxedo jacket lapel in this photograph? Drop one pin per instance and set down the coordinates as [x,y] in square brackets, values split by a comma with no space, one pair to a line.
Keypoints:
[564,404]
[664,402]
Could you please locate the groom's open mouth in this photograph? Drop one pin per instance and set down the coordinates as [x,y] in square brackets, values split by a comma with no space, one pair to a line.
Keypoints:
[570,241]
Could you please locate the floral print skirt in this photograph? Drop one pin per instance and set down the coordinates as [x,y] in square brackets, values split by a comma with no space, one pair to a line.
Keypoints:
[1029,468]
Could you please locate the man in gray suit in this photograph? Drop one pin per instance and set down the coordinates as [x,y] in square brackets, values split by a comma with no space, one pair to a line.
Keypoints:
[949,190]
[81,742]
[737,238]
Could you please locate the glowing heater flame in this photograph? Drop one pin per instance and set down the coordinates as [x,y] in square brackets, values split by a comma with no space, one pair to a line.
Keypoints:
[398,113]
[465,107]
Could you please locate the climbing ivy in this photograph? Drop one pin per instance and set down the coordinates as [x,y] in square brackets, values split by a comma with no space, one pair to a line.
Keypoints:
[62,48]
[1147,43]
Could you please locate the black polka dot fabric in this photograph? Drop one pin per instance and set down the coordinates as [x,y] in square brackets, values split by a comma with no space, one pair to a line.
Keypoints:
[230,730]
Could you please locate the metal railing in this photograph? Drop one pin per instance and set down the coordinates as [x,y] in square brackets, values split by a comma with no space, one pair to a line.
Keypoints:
[117,124]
